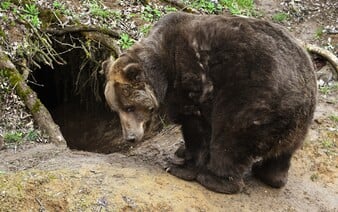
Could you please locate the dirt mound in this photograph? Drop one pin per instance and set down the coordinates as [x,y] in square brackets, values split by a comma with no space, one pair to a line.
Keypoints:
[51,178]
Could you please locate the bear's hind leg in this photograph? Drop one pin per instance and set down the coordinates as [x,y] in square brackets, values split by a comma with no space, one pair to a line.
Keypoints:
[273,171]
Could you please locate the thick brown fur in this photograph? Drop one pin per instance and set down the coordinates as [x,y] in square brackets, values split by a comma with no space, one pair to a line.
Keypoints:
[242,89]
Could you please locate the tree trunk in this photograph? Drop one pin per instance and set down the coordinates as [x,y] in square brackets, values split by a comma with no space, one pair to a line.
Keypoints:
[40,113]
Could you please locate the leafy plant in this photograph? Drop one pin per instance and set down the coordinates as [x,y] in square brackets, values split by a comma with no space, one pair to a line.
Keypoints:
[208,6]
[126,41]
[314,177]
[280,17]
[13,137]
[324,89]
[5,5]
[236,7]
[97,11]
[239,7]
[169,9]
[59,6]
[145,29]
[32,135]
[151,14]
[31,9]
[31,14]
[319,32]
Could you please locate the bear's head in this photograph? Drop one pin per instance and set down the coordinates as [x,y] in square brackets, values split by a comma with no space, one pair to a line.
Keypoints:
[128,94]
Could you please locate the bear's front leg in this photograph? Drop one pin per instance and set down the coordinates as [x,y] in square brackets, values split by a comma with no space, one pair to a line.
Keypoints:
[227,164]
[196,134]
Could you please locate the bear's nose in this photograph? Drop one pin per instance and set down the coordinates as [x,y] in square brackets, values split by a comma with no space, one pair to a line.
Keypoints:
[131,138]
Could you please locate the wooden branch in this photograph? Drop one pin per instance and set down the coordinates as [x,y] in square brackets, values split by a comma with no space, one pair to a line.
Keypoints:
[105,40]
[40,113]
[74,29]
[329,56]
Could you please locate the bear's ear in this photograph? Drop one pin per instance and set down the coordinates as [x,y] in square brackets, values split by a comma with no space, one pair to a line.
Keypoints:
[133,72]
[106,65]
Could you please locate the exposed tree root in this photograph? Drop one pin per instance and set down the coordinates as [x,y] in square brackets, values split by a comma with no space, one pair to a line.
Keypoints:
[40,113]
[329,56]
[107,41]
[74,29]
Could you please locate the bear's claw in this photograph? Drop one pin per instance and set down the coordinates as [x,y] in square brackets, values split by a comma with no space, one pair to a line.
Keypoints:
[188,174]
[216,184]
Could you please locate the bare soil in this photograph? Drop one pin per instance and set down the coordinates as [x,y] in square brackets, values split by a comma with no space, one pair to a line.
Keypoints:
[44,177]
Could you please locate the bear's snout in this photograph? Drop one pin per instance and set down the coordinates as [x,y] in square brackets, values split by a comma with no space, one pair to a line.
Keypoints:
[130,138]
[132,128]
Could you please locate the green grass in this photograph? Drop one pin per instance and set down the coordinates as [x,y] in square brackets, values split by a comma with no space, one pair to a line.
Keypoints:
[334,118]
[235,7]
[327,144]
[280,17]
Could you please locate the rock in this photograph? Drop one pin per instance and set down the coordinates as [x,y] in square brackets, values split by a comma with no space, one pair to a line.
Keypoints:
[325,75]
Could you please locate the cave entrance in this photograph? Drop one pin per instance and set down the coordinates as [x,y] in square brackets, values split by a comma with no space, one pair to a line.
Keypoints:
[73,94]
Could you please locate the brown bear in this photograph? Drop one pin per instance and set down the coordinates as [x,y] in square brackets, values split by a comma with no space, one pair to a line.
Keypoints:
[242,89]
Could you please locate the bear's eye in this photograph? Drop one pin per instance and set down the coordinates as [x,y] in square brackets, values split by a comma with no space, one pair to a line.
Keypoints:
[151,109]
[129,109]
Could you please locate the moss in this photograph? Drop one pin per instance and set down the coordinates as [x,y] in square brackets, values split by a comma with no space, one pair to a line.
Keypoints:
[14,79]
[23,93]
[36,106]
[2,34]
[3,72]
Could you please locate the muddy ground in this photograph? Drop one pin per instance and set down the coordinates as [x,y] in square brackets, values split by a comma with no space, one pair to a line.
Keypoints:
[44,177]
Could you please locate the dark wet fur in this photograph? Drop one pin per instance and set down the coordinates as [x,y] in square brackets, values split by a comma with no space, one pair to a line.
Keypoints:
[256,100]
